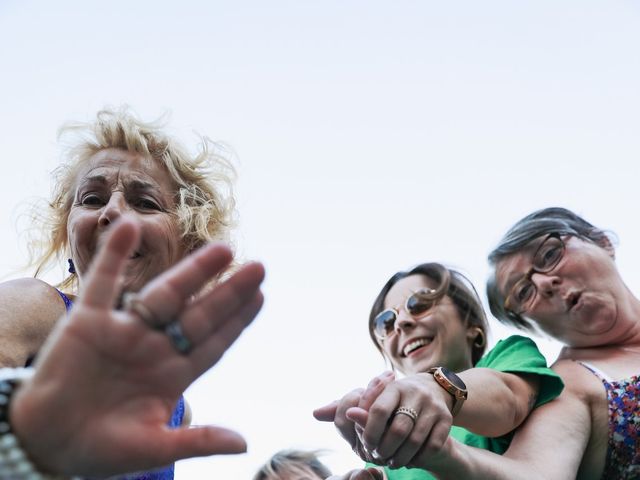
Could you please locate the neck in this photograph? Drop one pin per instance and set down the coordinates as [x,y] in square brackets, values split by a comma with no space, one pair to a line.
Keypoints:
[629,318]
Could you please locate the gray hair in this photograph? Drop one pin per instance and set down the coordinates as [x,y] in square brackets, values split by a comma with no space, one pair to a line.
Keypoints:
[542,222]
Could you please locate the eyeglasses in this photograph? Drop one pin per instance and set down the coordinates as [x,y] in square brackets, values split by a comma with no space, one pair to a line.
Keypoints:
[545,259]
[417,304]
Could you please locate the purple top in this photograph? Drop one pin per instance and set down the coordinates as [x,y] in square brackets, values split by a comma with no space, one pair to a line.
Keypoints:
[165,473]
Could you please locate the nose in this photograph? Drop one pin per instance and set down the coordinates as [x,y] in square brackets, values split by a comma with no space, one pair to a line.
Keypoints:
[546,284]
[114,208]
[404,321]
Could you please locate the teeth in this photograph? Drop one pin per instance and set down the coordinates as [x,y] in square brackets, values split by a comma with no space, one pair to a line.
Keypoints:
[415,344]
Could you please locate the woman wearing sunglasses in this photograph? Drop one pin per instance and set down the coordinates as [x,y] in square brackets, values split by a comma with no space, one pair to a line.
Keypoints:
[429,323]
[557,272]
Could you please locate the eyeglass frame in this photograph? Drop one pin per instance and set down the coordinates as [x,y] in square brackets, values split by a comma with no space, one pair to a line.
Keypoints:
[529,274]
[435,300]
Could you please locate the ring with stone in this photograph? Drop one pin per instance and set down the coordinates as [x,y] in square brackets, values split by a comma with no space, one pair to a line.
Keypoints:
[181,343]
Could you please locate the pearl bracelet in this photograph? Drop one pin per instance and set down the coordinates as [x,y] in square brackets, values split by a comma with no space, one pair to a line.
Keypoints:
[14,463]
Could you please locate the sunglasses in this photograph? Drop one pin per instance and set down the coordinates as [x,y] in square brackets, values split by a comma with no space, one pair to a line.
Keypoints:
[416,305]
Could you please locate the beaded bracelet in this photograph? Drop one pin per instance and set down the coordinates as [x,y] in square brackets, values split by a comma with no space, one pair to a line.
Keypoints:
[14,463]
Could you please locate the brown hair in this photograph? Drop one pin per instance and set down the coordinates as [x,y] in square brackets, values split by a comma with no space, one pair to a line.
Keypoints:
[450,282]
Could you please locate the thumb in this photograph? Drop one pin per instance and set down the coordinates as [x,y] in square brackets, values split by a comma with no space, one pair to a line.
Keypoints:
[203,441]
[326,413]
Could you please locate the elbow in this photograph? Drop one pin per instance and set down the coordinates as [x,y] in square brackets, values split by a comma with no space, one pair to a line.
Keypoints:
[520,411]
[524,396]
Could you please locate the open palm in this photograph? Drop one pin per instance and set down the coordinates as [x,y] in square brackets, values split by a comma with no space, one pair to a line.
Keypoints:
[106,383]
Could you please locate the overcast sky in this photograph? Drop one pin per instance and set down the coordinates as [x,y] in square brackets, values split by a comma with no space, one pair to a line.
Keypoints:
[368,135]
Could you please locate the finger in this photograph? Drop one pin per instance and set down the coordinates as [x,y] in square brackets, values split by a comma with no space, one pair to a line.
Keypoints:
[416,439]
[434,443]
[102,288]
[375,388]
[395,435]
[341,422]
[183,443]
[207,354]
[358,416]
[380,415]
[166,295]
[326,413]
[205,315]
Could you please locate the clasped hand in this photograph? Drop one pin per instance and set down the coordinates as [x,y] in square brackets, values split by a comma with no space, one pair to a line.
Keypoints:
[369,421]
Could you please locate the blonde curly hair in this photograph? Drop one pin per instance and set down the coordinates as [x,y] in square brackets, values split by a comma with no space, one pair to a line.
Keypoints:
[205,204]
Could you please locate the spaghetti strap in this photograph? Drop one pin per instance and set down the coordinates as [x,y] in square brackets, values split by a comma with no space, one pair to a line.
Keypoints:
[67,301]
[597,372]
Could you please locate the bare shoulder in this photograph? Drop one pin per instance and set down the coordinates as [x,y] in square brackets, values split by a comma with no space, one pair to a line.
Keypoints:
[578,380]
[29,308]
[30,294]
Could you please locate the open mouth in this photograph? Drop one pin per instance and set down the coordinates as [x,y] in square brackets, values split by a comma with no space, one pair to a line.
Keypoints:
[135,255]
[415,345]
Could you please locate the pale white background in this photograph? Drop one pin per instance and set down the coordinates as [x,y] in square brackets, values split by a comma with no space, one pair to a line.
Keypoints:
[369,136]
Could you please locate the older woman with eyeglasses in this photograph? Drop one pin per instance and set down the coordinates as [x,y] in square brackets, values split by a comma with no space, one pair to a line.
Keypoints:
[429,323]
[557,271]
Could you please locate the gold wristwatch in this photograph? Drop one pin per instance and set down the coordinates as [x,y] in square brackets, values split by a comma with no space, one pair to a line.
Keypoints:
[453,384]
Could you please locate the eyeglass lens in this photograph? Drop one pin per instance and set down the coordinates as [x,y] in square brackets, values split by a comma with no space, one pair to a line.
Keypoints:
[416,304]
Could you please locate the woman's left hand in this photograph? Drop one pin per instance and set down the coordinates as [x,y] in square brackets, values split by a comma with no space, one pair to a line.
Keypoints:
[394,438]
[106,381]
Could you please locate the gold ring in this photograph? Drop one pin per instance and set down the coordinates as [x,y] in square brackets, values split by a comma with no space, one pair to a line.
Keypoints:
[408,411]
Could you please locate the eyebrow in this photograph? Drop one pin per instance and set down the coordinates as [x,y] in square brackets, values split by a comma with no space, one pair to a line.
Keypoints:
[134,184]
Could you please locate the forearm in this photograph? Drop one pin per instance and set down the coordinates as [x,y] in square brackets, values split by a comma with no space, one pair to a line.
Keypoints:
[497,403]
[462,461]
[563,425]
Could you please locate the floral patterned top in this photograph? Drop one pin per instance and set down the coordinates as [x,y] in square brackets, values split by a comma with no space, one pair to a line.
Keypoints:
[623,446]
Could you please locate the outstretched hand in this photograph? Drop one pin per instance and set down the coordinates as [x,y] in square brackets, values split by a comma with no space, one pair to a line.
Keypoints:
[359,400]
[396,439]
[106,383]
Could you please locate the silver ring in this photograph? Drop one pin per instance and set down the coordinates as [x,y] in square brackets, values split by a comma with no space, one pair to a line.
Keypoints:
[181,343]
[408,411]
[131,303]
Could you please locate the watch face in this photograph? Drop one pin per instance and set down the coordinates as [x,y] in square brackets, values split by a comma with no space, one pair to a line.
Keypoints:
[453,378]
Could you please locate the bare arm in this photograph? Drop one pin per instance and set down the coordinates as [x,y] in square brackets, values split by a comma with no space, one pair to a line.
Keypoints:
[498,402]
[29,308]
[561,425]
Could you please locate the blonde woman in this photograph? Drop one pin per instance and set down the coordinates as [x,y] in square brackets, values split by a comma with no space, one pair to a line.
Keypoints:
[120,166]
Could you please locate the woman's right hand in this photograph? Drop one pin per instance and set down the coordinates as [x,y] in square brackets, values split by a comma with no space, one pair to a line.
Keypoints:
[106,382]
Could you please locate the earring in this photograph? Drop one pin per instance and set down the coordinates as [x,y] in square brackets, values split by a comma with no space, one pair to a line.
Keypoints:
[481,339]
[72,267]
